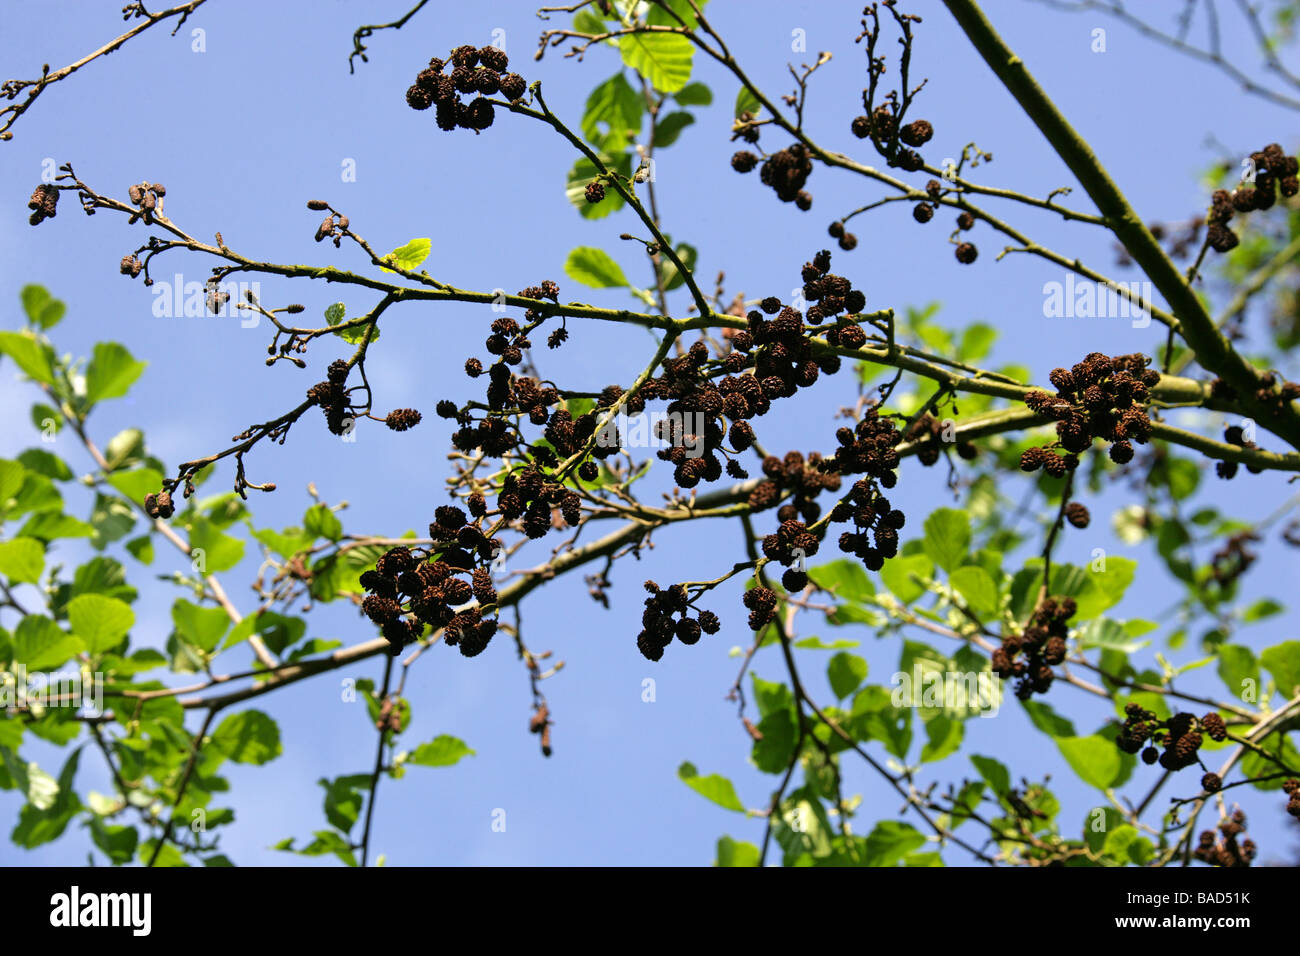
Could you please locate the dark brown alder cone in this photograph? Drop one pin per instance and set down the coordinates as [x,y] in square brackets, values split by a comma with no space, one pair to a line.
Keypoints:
[44,203]
[916,133]
[419,98]
[494,58]
[513,86]
[1076,514]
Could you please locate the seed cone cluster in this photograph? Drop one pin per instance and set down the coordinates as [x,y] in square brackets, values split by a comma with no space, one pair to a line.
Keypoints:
[893,140]
[1031,655]
[527,494]
[667,615]
[44,203]
[159,505]
[1233,559]
[712,395]
[1275,173]
[1181,736]
[1226,851]
[927,433]
[332,397]
[785,172]
[479,72]
[408,589]
[1291,788]
[1100,397]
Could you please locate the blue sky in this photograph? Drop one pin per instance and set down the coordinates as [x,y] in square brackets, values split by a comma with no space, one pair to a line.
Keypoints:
[268,117]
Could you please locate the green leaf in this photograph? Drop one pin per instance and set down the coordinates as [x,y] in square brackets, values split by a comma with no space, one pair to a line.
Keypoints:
[898,576]
[335,313]
[923,859]
[145,659]
[111,372]
[285,543]
[713,787]
[33,357]
[343,800]
[772,753]
[1125,845]
[747,102]
[817,644]
[248,737]
[943,737]
[1107,587]
[1283,662]
[112,518]
[123,448]
[671,277]
[37,786]
[37,825]
[770,696]
[947,537]
[102,575]
[221,552]
[1182,475]
[44,463]
[442,751]
[37,494]
[694,94]
[141,549]
[1237,665]
[1047,720]
[846,579]
[874,717]
[734,853]
[593,267]
[846,672]
[44,417]
[118,843]
[201,626]
[976,341]
[994,773]
[890,841]
[673,13]
[22,560]
[354,334]
[976,585]
[587,21]
[1095,759]
[137,483]
[320,521]
[670,127]
[100,621]
[12,477]
[1261,609]
[615,104]
[662,58]
[41,308]
[410,256]
[1105,632]
[326,841]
